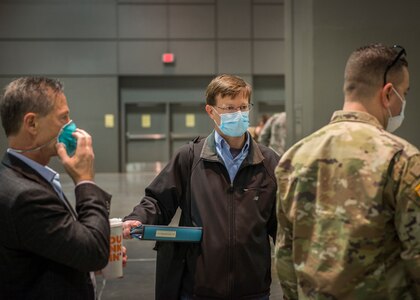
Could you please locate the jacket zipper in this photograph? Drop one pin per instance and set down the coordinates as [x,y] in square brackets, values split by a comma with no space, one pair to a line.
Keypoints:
[231,241]
[231,245]
[231,250]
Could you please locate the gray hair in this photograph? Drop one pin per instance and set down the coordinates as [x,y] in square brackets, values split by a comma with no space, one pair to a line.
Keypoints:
[24,95]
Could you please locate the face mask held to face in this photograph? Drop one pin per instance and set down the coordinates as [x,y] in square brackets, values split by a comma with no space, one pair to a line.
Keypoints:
[66,137]
[234,124]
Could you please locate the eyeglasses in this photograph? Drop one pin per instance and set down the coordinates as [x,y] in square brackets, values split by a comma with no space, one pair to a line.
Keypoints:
[401,52]
[232,109]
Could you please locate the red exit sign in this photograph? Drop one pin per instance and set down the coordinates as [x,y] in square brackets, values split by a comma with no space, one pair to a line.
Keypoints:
[168,58]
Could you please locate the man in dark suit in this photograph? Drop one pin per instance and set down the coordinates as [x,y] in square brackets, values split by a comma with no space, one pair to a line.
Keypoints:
[47,248]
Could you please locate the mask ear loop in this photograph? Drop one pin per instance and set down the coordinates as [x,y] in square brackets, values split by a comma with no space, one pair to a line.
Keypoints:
[212,107]
[44,145]
[34,149]
[398,94]
[214,120]
[400,98]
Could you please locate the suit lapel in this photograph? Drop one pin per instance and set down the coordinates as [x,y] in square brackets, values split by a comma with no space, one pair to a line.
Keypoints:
[28,172]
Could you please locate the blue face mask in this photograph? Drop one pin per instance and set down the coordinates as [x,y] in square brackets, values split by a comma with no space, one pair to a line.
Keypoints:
[234,124]
[65,136]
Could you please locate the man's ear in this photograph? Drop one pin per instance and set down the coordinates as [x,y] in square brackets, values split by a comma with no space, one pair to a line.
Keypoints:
[209,111]
[30,123]
[385,94]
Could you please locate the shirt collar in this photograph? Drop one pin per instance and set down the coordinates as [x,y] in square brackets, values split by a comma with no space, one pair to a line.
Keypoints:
[222,144]
[46,172]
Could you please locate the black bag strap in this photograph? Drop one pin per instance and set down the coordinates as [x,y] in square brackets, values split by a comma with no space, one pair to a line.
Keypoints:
[195,146]
[171,256]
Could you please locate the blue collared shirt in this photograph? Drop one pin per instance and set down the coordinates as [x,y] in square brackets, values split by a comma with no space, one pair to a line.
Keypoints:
[232,163]
[46,172]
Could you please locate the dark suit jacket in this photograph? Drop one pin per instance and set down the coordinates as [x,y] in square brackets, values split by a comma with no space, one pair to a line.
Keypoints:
[44,252]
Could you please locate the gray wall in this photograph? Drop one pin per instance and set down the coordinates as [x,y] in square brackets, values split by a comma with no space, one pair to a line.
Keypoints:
[75,41]
[91,45]
[320,35]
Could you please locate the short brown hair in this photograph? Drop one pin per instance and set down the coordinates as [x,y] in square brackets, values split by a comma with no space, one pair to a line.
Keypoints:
[366,67]
[227,85]
[24,95]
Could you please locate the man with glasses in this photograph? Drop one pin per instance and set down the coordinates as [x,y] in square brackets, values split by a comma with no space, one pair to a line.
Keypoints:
[225,184]
[349,194]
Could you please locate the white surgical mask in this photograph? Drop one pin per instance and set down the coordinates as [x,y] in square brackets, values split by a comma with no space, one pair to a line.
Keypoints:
[396,121]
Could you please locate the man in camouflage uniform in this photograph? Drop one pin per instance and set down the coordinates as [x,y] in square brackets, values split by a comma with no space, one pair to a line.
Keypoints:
[349,194]
[273,134]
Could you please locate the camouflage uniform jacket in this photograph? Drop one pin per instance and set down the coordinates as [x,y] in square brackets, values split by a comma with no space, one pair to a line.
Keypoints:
[348,206]
[273,134]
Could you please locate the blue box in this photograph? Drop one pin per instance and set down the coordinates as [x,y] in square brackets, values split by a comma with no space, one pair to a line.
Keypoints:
[167,233]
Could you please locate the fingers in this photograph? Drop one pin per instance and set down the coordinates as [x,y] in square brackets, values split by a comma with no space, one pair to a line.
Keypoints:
[84,141]
[80,166]
[127,225]
[83,137]
[61,151]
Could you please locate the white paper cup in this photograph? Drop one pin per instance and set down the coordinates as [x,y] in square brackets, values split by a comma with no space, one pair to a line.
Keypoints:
[114,268]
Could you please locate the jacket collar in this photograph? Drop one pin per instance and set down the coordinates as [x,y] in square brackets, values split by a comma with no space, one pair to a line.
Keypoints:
[209,151]
[21,167]
[27,171]
[355,116]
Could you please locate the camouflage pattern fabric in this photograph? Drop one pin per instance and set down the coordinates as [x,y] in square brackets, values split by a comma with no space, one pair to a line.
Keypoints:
[273,134]
[348,206]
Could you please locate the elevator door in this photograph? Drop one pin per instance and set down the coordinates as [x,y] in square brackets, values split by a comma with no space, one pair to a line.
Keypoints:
[145,133]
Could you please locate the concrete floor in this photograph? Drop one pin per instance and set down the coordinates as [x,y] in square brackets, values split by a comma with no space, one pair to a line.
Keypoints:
[139,274]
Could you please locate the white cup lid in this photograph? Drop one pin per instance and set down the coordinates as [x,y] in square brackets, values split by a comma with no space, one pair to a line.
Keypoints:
[114,222]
